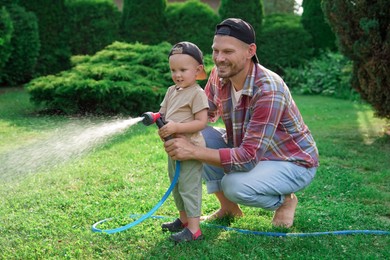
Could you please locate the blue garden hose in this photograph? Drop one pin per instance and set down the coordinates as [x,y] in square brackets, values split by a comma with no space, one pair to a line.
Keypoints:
[243,231]
[147,215]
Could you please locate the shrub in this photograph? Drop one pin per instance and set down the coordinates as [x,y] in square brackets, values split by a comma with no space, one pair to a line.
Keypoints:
[314,22]
[93,24]
[191,21]
[250,11]
[143,21]
[25,47]
[55,53]
[327,75]
[283,42]
[6,29]
[280,7]
[362,30]
[122,78]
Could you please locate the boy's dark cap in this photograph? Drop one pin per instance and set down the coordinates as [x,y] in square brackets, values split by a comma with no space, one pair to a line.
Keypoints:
[238,29]
[190,49]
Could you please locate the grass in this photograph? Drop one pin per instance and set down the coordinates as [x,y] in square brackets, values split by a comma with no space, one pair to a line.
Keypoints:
[47,213]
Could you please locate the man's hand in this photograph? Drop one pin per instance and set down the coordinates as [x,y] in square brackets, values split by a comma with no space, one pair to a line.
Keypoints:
[180,148]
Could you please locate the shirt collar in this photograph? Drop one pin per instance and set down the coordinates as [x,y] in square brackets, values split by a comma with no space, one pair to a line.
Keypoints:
[249,81]
[248,84]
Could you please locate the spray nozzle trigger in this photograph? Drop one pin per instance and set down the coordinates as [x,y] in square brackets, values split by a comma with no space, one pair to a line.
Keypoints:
[150,118]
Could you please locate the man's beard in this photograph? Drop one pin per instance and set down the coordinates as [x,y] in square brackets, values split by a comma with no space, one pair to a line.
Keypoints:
[226,70]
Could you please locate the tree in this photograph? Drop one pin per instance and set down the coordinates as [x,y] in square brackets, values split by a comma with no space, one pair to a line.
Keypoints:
[24,47]
[362,29]
[93,25]
[143,21]
[195,15]
[52,21]
[6,30]
[279,7]
[283,42]
[314,22]
[249,10]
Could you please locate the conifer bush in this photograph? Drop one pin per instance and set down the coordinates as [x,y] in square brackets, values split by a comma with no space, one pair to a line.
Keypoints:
[191,21]
[143,21]
[250,10]
[362,30]
[123,78]
[54,55]
[25,46]
[93,24]
[6,29]
[283,42]
[313,20]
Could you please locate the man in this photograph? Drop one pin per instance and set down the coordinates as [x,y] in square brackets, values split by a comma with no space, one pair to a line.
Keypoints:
[266,153]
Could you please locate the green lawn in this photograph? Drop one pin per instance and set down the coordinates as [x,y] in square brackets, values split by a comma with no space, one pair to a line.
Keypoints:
[48,206]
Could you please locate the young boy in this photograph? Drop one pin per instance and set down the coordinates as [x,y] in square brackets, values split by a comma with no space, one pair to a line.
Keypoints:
[185,107]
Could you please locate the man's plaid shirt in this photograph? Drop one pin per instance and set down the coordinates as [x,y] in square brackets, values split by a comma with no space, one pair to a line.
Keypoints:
[265,124]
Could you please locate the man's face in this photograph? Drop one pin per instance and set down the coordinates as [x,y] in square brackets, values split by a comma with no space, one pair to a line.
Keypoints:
[230,55]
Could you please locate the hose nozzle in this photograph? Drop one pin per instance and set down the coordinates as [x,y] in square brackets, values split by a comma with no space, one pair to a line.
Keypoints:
[150,118]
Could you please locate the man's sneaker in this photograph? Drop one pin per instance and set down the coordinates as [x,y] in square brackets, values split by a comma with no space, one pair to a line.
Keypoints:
[174,226]
[186,235]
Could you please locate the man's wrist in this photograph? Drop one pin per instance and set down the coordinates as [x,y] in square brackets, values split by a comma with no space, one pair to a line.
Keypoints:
[195,151]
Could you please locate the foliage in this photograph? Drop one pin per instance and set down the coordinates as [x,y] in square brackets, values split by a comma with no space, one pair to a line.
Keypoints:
[24,47]
[250,11]
[143,21]
[48,213]
[122,78]
[279,7]
[362,29]
[4,3]
[191,21]
[314,22]
[52,21]
[283,42]
[327,75]
[6,30]
[94,24]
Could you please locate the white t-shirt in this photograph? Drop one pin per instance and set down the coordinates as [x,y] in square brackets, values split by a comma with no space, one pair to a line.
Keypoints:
[235,96]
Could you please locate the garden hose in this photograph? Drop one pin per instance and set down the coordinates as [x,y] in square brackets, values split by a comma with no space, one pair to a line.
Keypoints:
[141,218]
[150,118]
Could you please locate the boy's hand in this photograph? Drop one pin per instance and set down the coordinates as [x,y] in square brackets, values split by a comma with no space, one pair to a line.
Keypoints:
[169,129]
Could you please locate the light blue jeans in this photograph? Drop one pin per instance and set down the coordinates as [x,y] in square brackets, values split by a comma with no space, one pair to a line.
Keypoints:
[265,186]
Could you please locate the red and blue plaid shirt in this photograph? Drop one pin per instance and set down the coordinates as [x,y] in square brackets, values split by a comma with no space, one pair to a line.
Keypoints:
[265,124]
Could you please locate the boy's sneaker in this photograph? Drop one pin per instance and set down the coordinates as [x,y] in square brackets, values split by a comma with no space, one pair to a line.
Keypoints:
[174,226]
[186,235]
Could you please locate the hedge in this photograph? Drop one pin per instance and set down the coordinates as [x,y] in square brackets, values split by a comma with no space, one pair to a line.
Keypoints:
[25,47]
[121,79]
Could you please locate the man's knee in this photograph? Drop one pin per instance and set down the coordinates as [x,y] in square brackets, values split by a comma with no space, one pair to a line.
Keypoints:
[234,191]
[213,137]
[244,194]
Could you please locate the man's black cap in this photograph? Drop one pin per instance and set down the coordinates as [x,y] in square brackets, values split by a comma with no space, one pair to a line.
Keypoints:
[238,29]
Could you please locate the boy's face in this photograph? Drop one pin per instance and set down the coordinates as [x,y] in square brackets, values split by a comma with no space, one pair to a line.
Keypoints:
[184,69]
